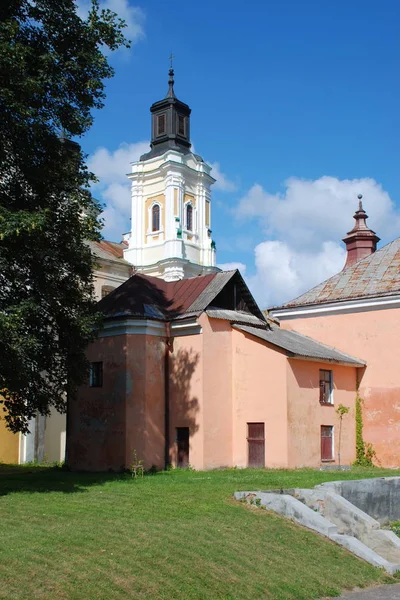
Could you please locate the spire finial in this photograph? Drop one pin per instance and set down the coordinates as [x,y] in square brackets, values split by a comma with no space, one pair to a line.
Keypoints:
[360,206]
[171,93]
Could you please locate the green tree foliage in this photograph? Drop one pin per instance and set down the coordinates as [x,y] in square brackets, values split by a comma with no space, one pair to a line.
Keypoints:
[52,69]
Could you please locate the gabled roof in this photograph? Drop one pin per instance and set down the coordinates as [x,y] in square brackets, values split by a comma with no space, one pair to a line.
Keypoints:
[107,250]
[297,345]
[375,275]
[154,298]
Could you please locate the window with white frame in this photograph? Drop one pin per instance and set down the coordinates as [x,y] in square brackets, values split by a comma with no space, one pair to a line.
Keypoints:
[189,217]
[325,387]
[155,218]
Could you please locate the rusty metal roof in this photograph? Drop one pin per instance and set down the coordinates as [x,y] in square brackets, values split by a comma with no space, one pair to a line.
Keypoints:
[155,298]
[297,345]
[109,251]
[375,275]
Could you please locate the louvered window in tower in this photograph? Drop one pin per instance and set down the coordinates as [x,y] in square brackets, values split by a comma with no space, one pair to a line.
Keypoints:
[155,218]
[189,217]
[161,122]
[181,125]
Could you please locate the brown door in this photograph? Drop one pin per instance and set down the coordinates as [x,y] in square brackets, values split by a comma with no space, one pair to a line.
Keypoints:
[182,441]
[256,444]
[326,442]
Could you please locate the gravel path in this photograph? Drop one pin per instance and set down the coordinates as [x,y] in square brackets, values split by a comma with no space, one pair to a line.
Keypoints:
[383,592]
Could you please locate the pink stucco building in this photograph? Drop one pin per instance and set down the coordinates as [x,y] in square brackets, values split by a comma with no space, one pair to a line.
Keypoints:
[358,310]
[191,372]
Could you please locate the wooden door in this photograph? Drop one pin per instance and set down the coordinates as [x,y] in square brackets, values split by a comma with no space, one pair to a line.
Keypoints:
[182,441]
[326,442]
[256,444]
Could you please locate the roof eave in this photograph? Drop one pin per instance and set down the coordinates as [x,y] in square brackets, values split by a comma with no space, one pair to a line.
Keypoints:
[319,359]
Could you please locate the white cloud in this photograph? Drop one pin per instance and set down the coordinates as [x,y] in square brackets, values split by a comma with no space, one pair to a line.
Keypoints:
[112,167]
[231,266]
[283,273]
[310,211]
[132,15]
[113,188]
[223,183]
[304,226]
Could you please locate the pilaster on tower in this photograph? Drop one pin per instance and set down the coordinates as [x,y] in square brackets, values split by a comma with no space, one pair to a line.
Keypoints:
[171,199]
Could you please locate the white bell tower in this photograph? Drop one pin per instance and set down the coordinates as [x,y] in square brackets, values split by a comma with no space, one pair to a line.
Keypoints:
[171,200]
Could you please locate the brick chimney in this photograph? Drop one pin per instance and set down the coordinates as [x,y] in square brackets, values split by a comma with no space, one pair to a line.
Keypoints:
[360,241]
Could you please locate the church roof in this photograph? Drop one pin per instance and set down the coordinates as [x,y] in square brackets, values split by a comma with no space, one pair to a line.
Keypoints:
[297,345]
[154,298]
[375,275]
[107,250]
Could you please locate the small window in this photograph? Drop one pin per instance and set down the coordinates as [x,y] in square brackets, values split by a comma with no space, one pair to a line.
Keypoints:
[327,442]
[181,125]
[155,218]
[189,217]
[161,122]
[106,289]
[96,374]
[325,387]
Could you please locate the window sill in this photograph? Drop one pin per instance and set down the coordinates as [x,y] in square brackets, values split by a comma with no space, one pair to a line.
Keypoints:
[326,404]
[326,460]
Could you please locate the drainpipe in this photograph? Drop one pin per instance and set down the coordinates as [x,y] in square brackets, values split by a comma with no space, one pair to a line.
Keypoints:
[168,349]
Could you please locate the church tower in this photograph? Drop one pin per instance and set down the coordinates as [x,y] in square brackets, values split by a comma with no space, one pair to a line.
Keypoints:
[171,199]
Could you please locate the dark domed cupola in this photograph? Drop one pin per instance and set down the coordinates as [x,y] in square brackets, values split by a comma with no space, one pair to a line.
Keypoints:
[170,124]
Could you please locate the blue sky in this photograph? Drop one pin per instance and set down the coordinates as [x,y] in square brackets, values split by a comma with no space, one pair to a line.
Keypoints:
[296,103]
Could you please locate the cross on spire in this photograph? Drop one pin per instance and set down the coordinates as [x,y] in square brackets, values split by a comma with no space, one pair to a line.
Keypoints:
[171,58]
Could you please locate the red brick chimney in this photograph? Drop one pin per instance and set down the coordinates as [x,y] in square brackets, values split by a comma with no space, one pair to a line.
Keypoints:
[360,241]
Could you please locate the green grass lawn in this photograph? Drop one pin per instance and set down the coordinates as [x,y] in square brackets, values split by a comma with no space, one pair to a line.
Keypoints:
[173,535]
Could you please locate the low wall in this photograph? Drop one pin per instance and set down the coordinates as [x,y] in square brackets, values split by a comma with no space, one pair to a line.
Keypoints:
[379,498]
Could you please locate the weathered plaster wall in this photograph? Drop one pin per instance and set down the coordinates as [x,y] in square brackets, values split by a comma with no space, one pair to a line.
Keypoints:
[9,444]
[144,385]
[374,337]
[306,414]
[186,396]
[217,393]
[54,437]
[259,395]
[96,433]
[107,424]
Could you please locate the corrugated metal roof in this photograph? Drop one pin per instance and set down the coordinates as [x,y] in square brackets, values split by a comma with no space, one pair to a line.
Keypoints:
[152,297]
[142,295]
[298,345]
[373,276]
[186,292]
[234,316]
[109,251]
[211,291]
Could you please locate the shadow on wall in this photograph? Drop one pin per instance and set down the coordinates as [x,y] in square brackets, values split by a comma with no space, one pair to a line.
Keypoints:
[184,407]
